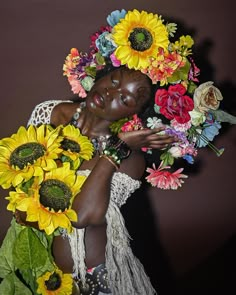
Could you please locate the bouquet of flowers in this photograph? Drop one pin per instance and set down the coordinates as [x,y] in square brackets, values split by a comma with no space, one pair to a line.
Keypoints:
[194,121]
[38,165]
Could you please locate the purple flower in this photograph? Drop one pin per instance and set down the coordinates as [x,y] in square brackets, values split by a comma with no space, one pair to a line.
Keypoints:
[181,135]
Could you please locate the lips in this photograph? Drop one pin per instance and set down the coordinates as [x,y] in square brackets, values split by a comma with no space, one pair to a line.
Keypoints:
[98,100]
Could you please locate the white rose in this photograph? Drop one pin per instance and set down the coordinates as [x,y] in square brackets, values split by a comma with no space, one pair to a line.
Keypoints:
[207,96]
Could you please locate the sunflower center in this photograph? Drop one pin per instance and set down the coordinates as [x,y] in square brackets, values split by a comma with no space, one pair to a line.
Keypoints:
[68,144]
[140,39]
[54,282]
[26,154]
[55,194]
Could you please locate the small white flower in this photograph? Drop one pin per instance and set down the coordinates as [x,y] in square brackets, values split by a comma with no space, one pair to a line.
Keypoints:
[154,123]
[171,29]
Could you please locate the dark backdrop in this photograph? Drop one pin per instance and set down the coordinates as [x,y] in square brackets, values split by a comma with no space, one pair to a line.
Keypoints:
[190,233]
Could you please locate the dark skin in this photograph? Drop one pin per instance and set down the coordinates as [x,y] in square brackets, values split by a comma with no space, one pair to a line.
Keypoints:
[117,95]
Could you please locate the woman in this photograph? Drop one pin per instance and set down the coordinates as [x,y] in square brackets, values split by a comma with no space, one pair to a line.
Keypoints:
[127,57]
[119,94]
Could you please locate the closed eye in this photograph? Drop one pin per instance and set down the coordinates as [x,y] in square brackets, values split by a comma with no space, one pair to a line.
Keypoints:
[114,82]
[123,99]
[127,100]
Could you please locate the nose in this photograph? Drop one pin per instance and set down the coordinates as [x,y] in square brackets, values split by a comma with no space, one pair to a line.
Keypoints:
[112,93]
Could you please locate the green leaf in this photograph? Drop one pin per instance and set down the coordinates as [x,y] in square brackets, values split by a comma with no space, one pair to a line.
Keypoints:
[6,257]
[91,71]
[28,251]
[26,185]
[191,87]
[167,159]
[115,127]
[223,116]
[180,73]
[11,285]
[156,108]
[100,59]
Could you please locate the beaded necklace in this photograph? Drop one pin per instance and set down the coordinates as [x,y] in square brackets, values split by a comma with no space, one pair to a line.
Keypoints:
[99,142]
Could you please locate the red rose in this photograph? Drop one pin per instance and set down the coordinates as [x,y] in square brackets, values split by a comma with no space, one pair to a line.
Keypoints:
[174,104]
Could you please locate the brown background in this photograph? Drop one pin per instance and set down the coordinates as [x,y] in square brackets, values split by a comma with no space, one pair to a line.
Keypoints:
[193,228]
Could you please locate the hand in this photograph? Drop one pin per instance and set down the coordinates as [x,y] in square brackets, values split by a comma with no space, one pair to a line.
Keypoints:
[147,138]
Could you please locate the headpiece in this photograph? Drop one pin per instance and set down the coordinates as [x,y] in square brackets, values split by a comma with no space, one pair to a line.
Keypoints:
[145,41]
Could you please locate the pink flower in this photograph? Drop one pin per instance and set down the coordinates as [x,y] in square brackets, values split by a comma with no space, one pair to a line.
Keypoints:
[174,104]
[194,71]
[135,124]
[189,149]
[165,179]
[76,87]
[180,127]
[115,62]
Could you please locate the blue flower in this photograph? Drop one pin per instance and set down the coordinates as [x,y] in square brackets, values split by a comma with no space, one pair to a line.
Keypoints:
[189,159]
[115,17]
[104,44]
[208,133]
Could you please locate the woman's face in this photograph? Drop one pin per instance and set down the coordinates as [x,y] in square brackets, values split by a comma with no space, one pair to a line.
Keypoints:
[119,94]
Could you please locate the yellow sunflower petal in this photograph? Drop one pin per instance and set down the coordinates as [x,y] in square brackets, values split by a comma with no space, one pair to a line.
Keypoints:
[22,134]
[138,37]
[71,214]
[45,218]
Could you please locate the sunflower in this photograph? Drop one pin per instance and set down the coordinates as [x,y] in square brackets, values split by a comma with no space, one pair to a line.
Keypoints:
[27,152]
[138,37]
[76,146]
[55,283]
[14,198]
[51,199]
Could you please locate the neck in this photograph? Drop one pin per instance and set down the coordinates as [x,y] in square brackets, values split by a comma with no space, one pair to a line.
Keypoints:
[91,125]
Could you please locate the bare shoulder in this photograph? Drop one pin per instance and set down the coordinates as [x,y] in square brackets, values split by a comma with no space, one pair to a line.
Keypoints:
[62,113]
[134,165]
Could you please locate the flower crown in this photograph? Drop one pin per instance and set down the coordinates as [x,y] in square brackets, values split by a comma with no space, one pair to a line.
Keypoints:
[139,40]
[145,41]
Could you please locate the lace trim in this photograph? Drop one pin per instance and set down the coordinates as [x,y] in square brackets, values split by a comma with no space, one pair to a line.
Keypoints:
[42,112]
[122,186]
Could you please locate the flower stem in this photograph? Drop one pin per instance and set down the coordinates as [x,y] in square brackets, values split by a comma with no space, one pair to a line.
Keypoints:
[218,152]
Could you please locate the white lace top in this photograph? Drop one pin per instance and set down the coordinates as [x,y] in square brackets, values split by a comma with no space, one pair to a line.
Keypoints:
[126,274]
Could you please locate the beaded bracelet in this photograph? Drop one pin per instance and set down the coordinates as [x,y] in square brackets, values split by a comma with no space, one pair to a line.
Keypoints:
[116,149]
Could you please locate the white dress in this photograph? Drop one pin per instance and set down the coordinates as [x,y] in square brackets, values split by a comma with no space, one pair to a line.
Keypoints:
[126,275]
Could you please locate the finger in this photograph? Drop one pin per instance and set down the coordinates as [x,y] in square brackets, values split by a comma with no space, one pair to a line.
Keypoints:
[159,145]
[159,129]
[161,142]
[159,137]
